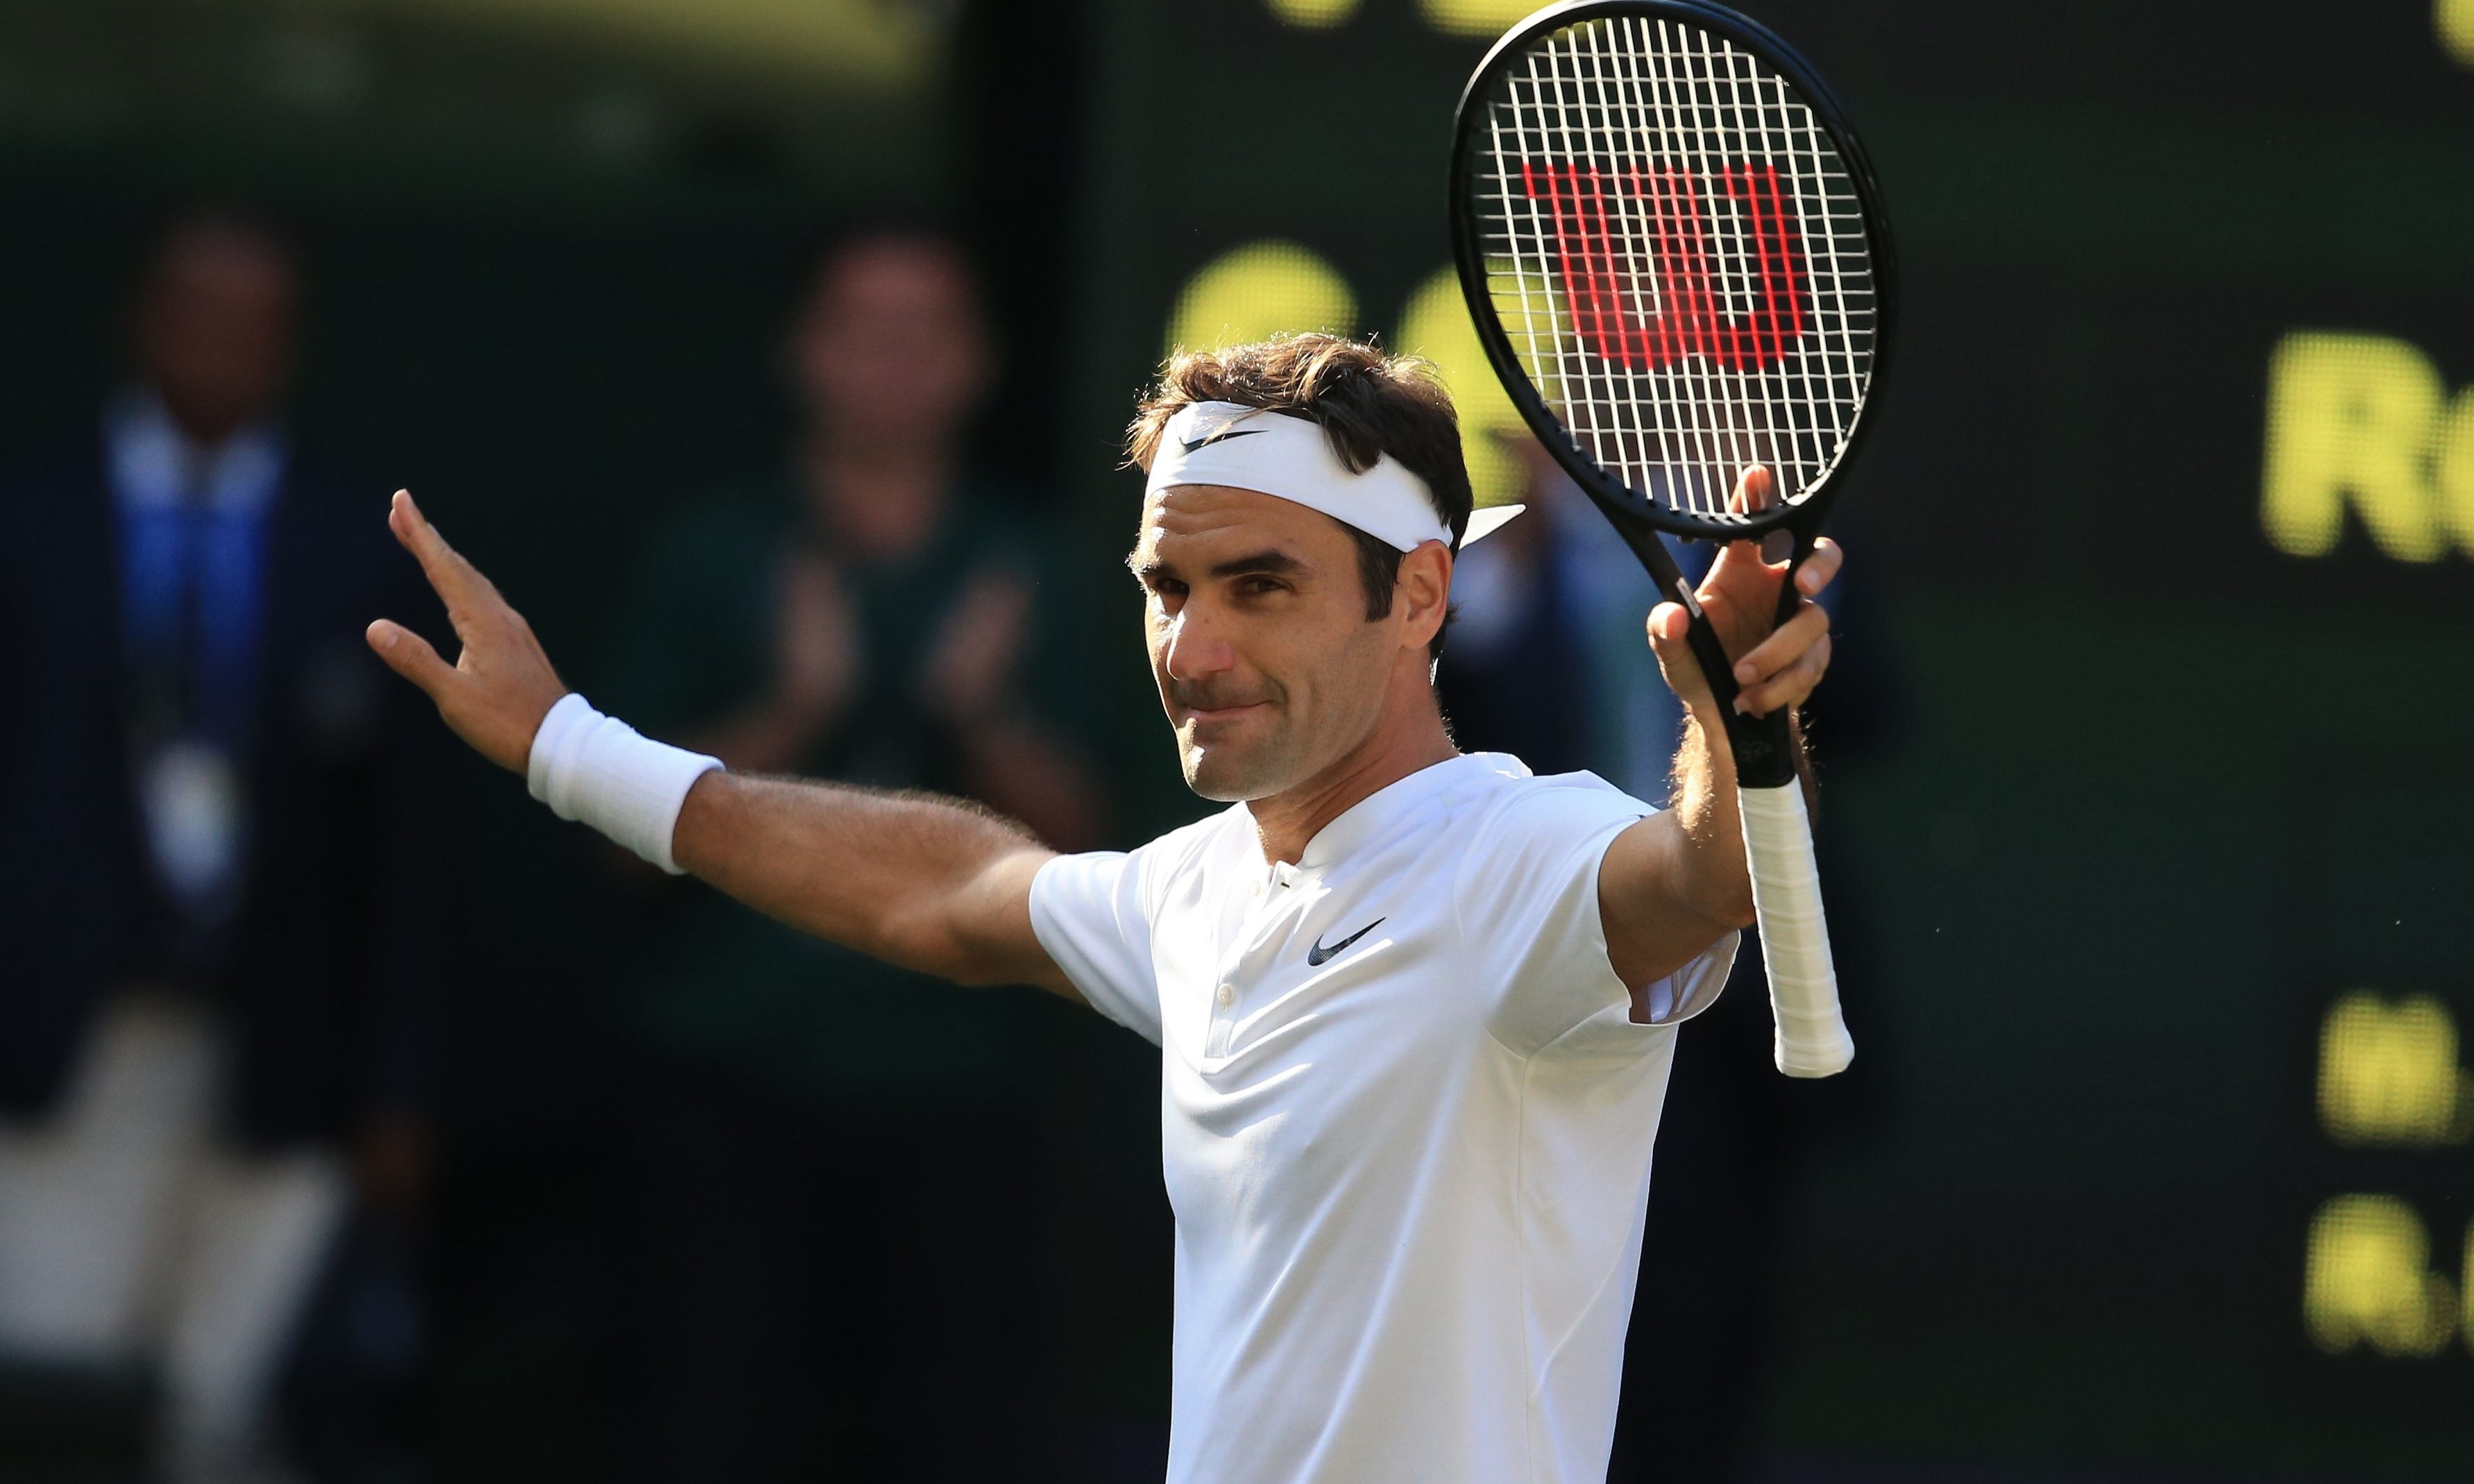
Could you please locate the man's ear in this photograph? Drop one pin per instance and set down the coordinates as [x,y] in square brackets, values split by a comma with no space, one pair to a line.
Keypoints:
[1421,593]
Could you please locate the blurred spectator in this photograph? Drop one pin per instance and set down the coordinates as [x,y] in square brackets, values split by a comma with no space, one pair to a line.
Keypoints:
[214,883]
[836,1234]
[1548,659]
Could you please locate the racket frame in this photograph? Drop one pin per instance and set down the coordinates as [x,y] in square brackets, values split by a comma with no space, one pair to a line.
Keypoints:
[1764,746]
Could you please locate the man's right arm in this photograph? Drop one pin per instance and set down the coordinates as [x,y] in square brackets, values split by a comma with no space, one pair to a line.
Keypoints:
[935,885]
[932,884]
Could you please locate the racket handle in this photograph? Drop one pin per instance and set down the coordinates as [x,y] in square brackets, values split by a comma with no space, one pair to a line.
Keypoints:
[1812,1040]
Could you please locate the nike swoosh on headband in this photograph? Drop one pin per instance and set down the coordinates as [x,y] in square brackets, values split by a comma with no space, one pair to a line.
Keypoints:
[1222,437]
[1319,953]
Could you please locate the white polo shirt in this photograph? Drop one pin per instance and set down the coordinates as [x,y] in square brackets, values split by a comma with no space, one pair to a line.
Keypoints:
[1405,1118]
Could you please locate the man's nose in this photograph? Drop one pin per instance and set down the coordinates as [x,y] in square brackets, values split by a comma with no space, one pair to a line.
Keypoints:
[1197,645]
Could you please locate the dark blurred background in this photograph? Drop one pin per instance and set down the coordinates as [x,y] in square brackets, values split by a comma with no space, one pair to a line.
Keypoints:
[2147,834]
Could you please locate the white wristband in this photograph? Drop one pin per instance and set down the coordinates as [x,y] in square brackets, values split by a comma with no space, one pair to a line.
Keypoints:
[595,768]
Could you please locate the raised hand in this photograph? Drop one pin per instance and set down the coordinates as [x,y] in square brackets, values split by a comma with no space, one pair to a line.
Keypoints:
[498,689]
[1772,666]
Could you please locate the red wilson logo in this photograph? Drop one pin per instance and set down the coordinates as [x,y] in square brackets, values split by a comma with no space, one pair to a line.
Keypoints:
[1601,274]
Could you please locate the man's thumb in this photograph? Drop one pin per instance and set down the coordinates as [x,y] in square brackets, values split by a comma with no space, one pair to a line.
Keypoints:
[1668,626]
[1668,623]
[408,655]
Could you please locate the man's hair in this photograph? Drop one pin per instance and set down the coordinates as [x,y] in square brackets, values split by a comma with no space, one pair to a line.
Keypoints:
[1368,403]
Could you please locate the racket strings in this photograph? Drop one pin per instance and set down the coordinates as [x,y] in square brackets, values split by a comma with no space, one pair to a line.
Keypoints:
[1677,256]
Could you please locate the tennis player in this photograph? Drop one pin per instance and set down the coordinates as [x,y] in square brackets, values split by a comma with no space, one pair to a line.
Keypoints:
[1416,1009]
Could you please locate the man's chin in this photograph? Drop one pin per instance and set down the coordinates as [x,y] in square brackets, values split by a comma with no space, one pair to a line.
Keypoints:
[1214,780]
[1223,776]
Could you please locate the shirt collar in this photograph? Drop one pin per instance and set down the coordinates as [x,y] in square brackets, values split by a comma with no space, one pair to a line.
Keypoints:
[155,465]
[1391,804]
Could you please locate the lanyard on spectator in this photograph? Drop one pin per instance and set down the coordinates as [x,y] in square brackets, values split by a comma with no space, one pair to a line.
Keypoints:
[193,531]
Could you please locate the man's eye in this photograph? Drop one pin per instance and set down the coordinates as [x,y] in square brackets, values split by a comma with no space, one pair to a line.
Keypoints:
[1256,587]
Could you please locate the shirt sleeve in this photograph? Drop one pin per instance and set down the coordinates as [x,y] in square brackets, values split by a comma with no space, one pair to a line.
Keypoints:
[1088,913]
[1528,900]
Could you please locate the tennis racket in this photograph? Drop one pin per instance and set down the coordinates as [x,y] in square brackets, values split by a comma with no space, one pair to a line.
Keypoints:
[1678,261]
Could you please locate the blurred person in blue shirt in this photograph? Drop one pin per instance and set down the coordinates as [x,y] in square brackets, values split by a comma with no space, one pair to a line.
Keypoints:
[836,1150]
[215,1024]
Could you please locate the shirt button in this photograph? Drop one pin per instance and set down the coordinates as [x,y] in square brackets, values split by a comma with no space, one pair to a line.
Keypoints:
[1227,996]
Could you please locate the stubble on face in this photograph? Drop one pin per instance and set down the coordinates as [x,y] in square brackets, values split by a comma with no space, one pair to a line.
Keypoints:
[1300,682]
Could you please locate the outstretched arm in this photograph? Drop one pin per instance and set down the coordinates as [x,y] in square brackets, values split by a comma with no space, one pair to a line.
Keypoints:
[1675,881]
[932,884]
[936,885]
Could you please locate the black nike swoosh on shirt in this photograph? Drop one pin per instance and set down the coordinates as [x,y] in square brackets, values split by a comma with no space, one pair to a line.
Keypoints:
[1319,953]
[1195,444]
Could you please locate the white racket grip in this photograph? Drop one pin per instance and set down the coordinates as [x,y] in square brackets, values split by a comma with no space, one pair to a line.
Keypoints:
[1812,1040]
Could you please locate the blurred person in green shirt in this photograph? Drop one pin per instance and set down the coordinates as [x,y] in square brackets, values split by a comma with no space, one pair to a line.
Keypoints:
[835,1148]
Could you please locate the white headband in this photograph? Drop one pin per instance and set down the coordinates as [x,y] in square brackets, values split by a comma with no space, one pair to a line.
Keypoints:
[1292,459]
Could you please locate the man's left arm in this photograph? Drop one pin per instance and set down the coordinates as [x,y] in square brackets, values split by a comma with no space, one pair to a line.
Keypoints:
[1675,883]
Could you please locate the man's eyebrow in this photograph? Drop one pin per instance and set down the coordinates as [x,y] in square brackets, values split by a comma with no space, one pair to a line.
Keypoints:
[1271,560]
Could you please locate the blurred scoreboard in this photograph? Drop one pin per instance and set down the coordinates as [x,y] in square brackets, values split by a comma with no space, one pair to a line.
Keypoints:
[2379,1181]
[2188,361]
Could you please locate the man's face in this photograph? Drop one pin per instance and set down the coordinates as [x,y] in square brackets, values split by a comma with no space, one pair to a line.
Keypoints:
[888,352]
[213,329]
[1267,664]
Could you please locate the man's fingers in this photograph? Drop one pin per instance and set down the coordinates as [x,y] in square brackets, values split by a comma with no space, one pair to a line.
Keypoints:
[1737,565]
[1791,687]
[408,655]
[1819,567]
[416,535]
[1753,490]
[454,580]
[1810,626]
